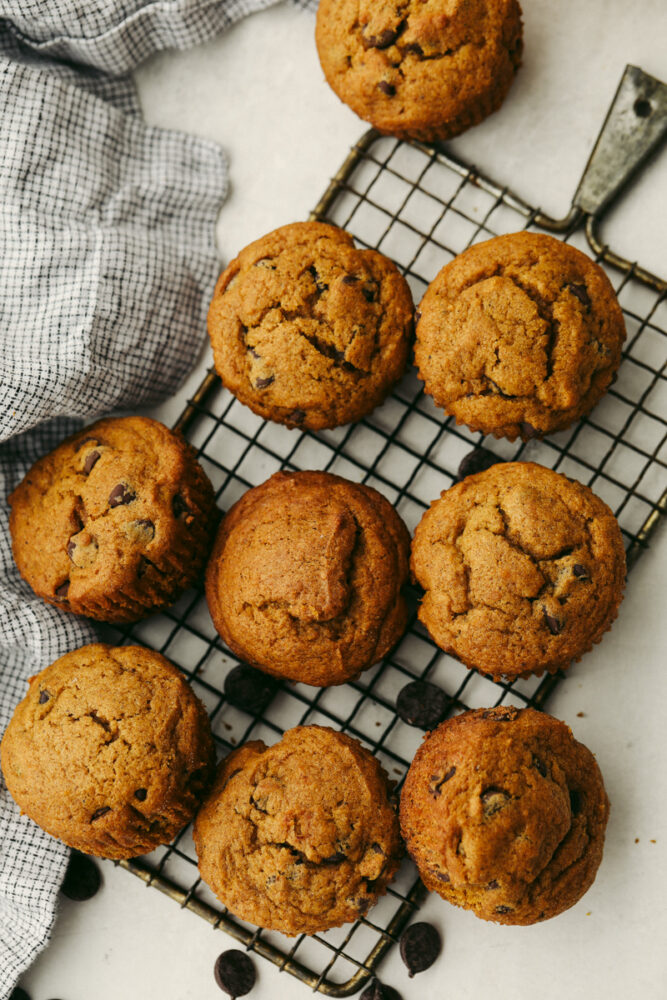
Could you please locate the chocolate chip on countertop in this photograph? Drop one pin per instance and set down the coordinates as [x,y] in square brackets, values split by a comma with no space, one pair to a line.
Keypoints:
[378,991]
[387,88]
[420,946]
[249,689]
[121,495]
[19,994]
[477,460]
[234,972]
[91,458]
[82,878]
[422,704]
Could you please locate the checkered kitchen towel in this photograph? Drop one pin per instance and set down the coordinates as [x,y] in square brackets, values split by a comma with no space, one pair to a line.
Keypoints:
[107,260]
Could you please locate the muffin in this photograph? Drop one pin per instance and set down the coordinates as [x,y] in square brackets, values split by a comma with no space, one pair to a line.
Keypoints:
[523,570]
[504,814]
[307,330]
[300,836]
[304,581]
[519,336]
[110,750]
[115,522]
[425,71]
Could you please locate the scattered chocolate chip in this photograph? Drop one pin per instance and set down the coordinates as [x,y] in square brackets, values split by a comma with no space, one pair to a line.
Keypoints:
[527,431]
[414,47]
[296,416]
[506,713]
[349,279]
[439,780]
[493,800]
[234,972]
[43,697]
[580,292]
[420,946]
[91,458]
[121,495]
[387,88]
[82,878]
[476,460]
[422,704]
[179,507]
[102,811]
[249,689]
[554,625]
[334,859]
[580,572]
[540,766]
[62,589]
[378,991]
[576,801]
[19,994]
[503,909]
[264,383]
[493,884]
[140,794]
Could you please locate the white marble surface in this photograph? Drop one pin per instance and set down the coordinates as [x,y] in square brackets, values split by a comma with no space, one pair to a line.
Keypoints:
[259,91]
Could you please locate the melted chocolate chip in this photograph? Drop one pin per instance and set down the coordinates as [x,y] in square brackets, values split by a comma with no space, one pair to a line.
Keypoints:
[146,529]
[369,293]
[506,713]
[576,801]
[121,495]
[254,353]
[296,416]
[264,383]
[381,41]
[82,878]
[540,766]
[553,624]
[527,431]
[140,794]
[580,572]
[493,884]
[234,972]
[493,800]
[334,859]
[249,689]
[376,849]
[475,461]
[439,780]
[143,566]
[349,279]
[442,876]
[62,589]
[379,991]
[580,292]
[91,458]
[179,507]
[414,47]
[420,946]
[422,704]
[320,285]
[387,88]
[44,697]
[503,909]
[87,440]
[102,811]
[71,549]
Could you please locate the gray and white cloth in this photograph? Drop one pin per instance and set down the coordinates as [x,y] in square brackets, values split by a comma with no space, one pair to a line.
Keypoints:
[107,261]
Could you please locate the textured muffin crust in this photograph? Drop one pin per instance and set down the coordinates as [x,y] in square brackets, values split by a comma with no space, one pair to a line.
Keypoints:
[115,522]
[307,330]
[305,577]
[504,814]
[519,336]
[426,69]
[523,570]
[301,836]
[110,750]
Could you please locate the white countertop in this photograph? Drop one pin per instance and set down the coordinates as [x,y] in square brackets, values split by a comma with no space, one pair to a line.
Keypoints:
[259,91]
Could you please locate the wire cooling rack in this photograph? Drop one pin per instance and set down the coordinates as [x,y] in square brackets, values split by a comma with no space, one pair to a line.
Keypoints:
[420,207]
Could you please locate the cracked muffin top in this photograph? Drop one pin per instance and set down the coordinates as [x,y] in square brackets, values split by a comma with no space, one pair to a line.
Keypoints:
[115,522]
[523,570]
[504,814]
[307,330]
[519,335]
[110,750]
[426,69]
[300,836]
[305,577]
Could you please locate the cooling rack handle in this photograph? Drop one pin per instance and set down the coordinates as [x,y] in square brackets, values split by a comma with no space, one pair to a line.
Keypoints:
[635,124]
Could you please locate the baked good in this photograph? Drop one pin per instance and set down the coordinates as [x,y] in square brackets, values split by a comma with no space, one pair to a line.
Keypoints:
[519,336]
[307,330]
[523,570]
[110,750]
[115,522]
[305,577]
[422,70]
[504,814]
[300,836]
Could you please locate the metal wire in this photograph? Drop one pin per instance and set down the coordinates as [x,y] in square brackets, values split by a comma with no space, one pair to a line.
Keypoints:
[421,207]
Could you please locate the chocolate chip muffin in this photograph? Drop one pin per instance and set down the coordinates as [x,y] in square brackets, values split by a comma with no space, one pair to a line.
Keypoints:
[116,522]
[523,570]
[504,814]
[422,70]
[305,577]
[519,335]
[309,331]
[110,750]
[300,836]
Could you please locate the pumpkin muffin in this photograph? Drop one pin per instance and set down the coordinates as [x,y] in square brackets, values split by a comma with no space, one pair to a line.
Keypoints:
[425,70]
[300,836]
[115,522]
[504,814]
[307,330]
[110,750]
[519,336]
[523,570]
[304,581]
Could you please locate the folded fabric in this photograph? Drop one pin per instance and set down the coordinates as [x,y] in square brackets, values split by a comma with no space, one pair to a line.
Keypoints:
[107,260]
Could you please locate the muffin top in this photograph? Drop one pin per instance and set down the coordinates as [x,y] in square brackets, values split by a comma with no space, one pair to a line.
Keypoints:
[504,813]
[110,750]
[305,577]
[307,330]
[519,335]
[523,569]
[427,70]
[300,836]
[115,521]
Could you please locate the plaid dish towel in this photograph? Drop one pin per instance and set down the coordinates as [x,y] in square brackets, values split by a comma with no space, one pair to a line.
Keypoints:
[107,262]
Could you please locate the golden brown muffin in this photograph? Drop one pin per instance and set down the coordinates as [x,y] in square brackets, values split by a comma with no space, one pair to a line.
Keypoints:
[426,69]
[504,814]
[307,330]
[519,335]
[305,577]
[300,836]
[523,570]
[115,522]
[110,750]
